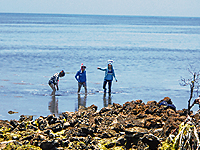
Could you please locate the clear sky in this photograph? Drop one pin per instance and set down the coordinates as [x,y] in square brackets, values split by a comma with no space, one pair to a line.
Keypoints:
[183,8]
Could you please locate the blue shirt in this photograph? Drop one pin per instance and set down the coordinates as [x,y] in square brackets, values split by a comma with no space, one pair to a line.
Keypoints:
[109,74]
[81,76]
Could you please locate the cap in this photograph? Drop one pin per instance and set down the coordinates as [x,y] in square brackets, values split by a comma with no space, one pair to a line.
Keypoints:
[83,66]
[110,61]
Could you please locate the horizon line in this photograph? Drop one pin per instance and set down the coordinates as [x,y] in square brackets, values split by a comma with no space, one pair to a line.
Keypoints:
[86,14]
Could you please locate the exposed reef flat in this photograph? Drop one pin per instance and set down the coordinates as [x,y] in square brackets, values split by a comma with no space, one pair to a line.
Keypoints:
[133,125]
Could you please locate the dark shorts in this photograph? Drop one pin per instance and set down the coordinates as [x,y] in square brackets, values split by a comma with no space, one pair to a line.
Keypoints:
[50,82]
[82,84]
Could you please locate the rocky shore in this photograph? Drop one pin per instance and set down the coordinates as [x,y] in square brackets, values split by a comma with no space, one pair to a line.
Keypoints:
[135,125]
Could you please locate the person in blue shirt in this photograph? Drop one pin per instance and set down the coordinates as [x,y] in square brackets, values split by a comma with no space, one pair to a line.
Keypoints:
[81,78]
[109,74]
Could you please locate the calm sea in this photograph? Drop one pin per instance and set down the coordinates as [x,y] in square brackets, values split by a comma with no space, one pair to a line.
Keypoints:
[150,55]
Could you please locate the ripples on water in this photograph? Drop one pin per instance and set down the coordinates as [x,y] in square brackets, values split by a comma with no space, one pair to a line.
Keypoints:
[150,55]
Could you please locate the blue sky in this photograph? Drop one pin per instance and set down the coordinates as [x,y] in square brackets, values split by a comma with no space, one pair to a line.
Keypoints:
[183,8]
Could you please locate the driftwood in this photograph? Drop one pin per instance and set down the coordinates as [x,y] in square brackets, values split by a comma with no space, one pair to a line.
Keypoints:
[187,137]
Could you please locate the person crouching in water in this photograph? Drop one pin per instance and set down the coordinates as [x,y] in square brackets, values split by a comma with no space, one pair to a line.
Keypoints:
[109,74]
[53,82]
[81,78]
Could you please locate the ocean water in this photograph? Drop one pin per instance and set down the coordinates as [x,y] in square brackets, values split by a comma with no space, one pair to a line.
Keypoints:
[150,55]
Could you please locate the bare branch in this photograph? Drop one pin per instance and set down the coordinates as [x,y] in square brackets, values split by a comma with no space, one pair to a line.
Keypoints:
[190,71]
[183,82]
[194,84]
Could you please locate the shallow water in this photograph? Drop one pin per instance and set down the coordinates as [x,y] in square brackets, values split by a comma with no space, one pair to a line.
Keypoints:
[150,55]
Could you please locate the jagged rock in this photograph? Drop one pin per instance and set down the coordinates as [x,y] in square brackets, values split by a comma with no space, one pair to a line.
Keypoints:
[56,127]
[86,131]
[105,135]
[168,100]
[138,101]
[151,140]
[109,144]
[47,145]
[133,130]
[29,137]
[25,118]
[121,141]
[116,106]
[22,118]
[183,112]
[30,126]
[66,125]
[65,115]
[14,123]
[51,119]
[153,123]
[66,143]
[73,122]
[93,107]
[141,115]
[151,110]
[103,110]
[117,127]
[152,103]
[21,127]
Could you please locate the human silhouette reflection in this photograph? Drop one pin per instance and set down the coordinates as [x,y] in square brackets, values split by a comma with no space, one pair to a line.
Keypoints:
[106,101]
[81,101]
[53,105]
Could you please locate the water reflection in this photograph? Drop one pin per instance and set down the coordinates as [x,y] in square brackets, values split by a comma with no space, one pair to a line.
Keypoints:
[106,101]
[53,105]
[81,101]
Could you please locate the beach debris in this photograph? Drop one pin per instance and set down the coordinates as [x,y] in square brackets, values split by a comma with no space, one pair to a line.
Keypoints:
[186,138]
[12,112]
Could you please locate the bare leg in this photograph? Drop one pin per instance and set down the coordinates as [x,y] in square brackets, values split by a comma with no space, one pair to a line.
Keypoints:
[53,93]
[53,88]
[85,89]
[79,87]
